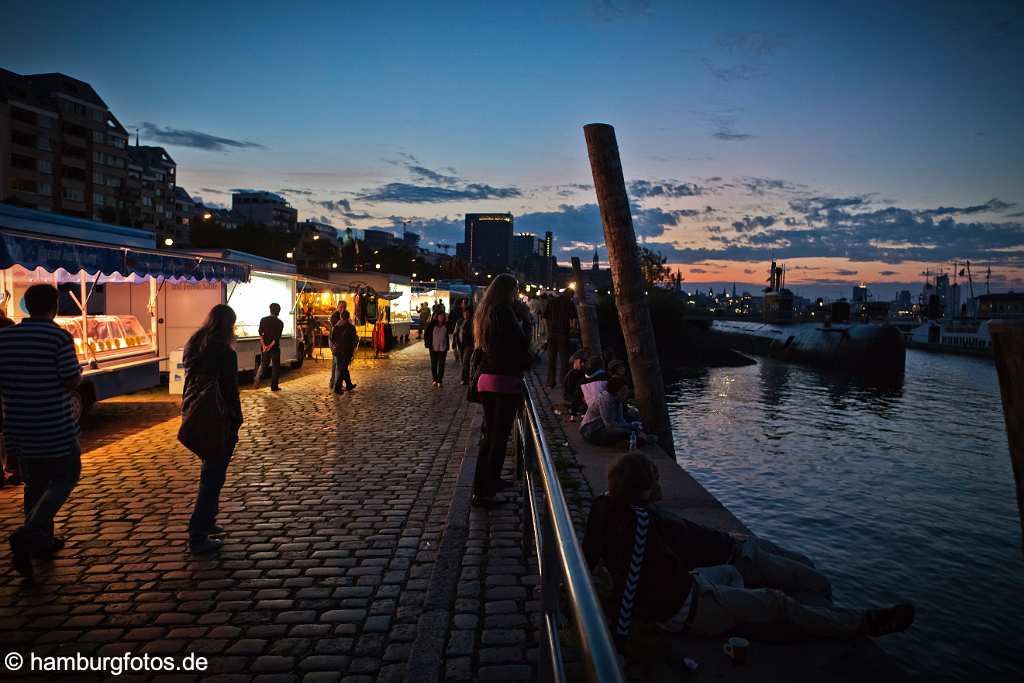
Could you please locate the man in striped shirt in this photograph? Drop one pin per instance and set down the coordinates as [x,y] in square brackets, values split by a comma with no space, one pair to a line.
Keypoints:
[38,372]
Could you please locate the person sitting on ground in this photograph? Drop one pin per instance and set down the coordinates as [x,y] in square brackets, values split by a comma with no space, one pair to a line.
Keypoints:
[705,582]
[572,391]
[593,380]
[605,425]
[617,368]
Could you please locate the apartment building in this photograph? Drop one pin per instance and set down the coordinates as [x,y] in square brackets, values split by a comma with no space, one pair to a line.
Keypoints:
[149,192]
[265,208]
[61,148]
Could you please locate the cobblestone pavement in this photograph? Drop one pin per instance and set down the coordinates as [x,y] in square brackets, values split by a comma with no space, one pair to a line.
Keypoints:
[335,507]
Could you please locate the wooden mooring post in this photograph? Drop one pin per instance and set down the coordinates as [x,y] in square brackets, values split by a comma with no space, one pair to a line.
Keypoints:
[1008,347]
[630,288]
[586,313]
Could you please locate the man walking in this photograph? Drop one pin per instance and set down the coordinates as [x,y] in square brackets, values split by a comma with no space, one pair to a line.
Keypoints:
[271,328]
[335,319]
[38,372]
[343,347]
[560,316]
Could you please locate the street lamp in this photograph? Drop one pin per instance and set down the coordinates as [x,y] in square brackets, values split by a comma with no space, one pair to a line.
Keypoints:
[334,264]
[207,216]
[168,242]
[414,274]
[290,255]
[316,237]
[377,266]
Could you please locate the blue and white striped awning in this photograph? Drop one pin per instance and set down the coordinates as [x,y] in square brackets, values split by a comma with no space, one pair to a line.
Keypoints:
[34,251]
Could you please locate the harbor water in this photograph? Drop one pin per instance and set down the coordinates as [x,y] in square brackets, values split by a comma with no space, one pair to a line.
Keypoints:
[901,492]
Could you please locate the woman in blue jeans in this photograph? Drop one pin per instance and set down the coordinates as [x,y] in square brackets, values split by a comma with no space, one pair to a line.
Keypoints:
[208,356]
[504,355]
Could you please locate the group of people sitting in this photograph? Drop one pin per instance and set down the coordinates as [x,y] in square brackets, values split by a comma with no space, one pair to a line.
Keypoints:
[596,390]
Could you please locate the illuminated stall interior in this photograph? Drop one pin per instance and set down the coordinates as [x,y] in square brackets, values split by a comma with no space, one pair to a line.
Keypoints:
[251,301]
[102,331]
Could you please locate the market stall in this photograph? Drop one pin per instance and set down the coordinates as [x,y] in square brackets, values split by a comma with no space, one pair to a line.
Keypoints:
[378,298]
[109,284]
[316,301]
[269,282]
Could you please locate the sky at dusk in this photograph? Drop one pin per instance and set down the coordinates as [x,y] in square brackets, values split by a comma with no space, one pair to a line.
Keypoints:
[860,141]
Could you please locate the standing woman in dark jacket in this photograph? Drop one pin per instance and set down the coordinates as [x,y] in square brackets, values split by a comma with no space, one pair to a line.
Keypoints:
[504,357]
[208,356]
[437,339]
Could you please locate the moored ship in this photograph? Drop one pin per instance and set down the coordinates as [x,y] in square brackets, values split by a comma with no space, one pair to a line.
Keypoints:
[967,335]
[875,349]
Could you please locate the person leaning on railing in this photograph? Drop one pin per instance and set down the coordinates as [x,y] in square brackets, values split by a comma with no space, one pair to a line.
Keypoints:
[502,356]
[689,578]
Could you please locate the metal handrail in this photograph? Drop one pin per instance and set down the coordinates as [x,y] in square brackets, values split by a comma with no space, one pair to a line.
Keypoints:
[559,557]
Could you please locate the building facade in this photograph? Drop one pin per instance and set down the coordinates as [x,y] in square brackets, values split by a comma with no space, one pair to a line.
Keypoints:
[265,208]
[61,148]
[148,197]
[488,240]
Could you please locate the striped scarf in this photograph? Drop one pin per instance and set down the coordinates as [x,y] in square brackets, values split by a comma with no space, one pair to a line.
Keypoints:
[636,562]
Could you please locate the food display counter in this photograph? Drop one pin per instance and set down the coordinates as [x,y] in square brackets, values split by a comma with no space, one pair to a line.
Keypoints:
[110,279]
[107,337]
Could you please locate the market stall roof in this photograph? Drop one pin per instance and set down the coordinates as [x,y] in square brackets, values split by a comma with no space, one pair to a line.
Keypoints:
[59,226]
[33,251]
[257,262]
[315,286]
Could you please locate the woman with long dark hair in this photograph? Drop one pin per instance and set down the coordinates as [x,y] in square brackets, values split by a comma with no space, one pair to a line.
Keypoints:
[437,338]
[504,355]
[209,358]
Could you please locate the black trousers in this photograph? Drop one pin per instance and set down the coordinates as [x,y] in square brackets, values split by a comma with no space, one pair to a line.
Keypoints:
[467,359]
[437,359]
[273,359]
[499,418]
[211,479]
[343,376]
[558,358]
[48,484]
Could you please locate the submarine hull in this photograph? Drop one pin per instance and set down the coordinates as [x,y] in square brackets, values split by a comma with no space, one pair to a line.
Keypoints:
[864,349]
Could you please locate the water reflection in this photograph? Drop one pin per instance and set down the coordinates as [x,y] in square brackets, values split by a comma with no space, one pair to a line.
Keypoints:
[898,490]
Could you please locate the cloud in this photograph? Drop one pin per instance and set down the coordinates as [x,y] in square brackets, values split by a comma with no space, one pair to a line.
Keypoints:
[193,138]
[697,271]
[342,208]
[889,235]
[292,191]
[663,188]
[723,123]
[753,222]
[753,44]
[749,271]
[733,74]
[993,205]
[730,136]
[430,186]
[421,173]
[569,189]
[617,10]
[408,193]
[210,190]
[844,272]
[887,273]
